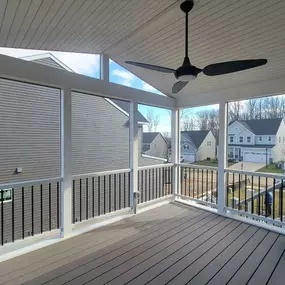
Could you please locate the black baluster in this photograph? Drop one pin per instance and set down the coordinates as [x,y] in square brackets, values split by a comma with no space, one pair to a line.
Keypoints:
[32,209]
[93,197]
[115,192]
[202,183]
[57,199]
[99,196]
[13,214]
[207,185]
[149,184]
[273,206]
[212,185]
[49,205]
[23,213]
[110,193]
[252,201]
[239,182]
[281,200]
[259,195]
[73,200]
[41,204]
[87,198]
[80,200]
[245,193]
[124,190]
[193,182]
[120,191]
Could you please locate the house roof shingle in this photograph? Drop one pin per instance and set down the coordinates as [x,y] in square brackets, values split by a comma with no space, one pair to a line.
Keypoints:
[197,137]
[126,107]
[148,137]
[262,126]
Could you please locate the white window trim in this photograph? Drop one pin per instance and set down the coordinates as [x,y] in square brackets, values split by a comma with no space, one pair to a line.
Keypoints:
[6,201]
[249,139]
[260,138]
[270,138]
[242,139]
[231,137]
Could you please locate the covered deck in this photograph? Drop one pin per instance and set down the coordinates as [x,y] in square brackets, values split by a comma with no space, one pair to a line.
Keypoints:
[170,244]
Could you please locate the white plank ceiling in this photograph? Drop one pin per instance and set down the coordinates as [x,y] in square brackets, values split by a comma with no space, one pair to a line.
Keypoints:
[152,31]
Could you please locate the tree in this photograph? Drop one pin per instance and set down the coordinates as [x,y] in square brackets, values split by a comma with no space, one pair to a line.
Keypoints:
[188,124]
[235,110]
[153,121]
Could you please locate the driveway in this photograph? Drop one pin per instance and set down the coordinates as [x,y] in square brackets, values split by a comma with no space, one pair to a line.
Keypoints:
[247,166]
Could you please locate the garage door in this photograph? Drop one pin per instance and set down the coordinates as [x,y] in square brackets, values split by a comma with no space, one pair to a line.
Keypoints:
[189,157]
[254,156]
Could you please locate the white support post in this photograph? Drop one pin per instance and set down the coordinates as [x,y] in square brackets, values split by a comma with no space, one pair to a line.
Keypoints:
[66,164]
[104,67]
[134,155]
[222,156]
[175,150]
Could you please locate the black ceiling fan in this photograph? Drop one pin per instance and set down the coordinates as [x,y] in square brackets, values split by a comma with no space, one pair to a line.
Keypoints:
[188,72]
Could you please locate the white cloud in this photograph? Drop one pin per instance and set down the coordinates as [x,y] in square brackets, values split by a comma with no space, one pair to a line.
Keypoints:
[127,77]
[123,74]
[148,87]
[80,63]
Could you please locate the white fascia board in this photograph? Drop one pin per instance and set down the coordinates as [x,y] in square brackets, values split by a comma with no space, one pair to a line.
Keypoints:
[270,87]
[31,72]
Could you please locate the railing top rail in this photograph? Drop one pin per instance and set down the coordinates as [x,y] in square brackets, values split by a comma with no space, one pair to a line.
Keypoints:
[103,173]
[251,173]
[155,166]
[30,182]
[197,166]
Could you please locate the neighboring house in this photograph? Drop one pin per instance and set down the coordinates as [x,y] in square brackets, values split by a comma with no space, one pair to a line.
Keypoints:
[197,145]
[257,140]
[30,141]
[154,144]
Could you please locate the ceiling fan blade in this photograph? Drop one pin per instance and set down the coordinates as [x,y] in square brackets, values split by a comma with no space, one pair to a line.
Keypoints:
[232,66]
[178,86]
[151,67]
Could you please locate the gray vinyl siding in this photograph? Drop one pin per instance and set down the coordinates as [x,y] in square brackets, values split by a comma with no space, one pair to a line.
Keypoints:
[100,135]
[30,138]
[49,62]
[30,131]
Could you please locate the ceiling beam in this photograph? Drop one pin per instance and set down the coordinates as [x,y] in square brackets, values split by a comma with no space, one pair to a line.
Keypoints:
[252,90]
[31,72]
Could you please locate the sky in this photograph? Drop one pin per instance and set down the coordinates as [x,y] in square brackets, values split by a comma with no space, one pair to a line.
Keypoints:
[89,65]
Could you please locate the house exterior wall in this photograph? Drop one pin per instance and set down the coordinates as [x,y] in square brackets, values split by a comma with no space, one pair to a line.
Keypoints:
[279,149]
[205,150]
[30,138]
[30,131]
[265,139]
[158,147]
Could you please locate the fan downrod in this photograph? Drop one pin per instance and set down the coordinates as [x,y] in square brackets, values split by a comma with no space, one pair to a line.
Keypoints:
[187,6]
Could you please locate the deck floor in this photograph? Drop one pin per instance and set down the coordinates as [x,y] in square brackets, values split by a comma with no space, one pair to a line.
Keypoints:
[172,244]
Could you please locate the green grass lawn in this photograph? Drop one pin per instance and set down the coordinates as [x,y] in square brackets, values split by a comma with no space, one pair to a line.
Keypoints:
[213,163]
[271,168]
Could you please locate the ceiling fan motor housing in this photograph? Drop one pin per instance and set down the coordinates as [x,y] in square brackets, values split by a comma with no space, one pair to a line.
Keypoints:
[187,71]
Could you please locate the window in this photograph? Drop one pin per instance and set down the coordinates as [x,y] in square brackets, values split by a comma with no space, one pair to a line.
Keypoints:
[260,139]
[269,138]
[248,139]
[186,146]
[6,194]
[241,139]
[231,139]
[279,139]
[209,143]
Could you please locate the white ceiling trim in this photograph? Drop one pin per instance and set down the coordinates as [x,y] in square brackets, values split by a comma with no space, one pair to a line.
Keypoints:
[31,72]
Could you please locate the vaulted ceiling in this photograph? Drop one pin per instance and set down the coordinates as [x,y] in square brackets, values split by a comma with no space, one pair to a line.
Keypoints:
[152,31]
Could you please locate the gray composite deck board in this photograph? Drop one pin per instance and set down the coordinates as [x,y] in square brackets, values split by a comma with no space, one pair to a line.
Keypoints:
[172,244]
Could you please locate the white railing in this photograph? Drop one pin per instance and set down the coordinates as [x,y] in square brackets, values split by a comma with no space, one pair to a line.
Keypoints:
[198,184]
[29,208]
[256,195]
